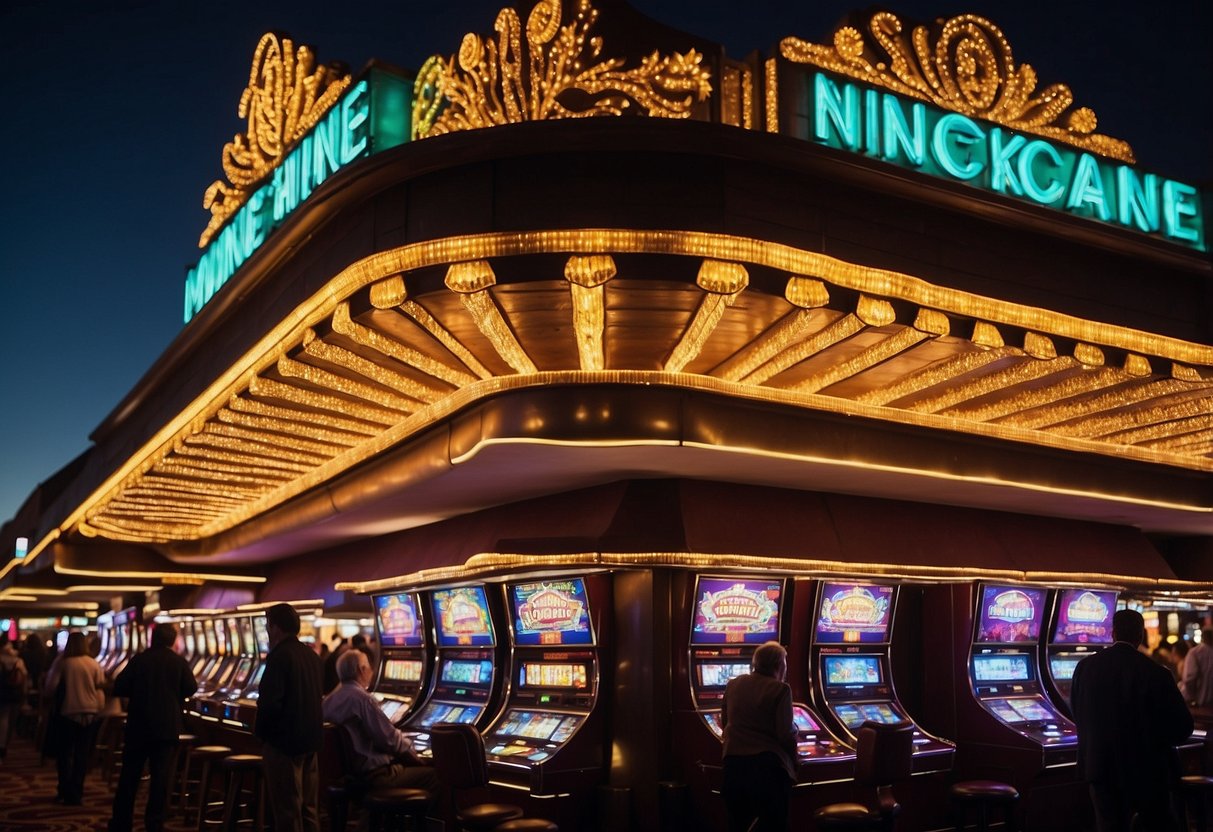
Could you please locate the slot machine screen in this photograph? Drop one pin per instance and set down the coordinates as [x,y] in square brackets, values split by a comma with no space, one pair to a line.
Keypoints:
[736,610]
[554,675]
[1010,614]
[187,637]
[851,670]
[718,674]
[854,613]
[262,635]
[255,682]
[246,636]
[402,670]
[212,641]
[802,720]
[538,725]
[467,672]
[1062,667]
[551,612]
[1031,710]
[444,712]
[242,672]
[1003,667]
[713,720]
[1084,616]
[391,708]
[461,617]
[398,622]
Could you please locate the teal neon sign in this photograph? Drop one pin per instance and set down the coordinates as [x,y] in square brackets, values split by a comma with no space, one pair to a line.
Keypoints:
[371,117]
[915,135]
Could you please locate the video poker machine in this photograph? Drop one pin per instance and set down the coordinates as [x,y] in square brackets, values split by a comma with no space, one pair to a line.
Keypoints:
[851,674]
[465,679]
[731,617]
[402,654]
[1081,627]
[548,734]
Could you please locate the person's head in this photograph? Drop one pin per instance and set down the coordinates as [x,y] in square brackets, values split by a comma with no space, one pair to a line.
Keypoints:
[281,621]
[3,640]
[1206,636]
[770,659]
[77,645]
[1179,649]
[165,635]
[359,640]
[354,666]
[1129,626]
[34,642]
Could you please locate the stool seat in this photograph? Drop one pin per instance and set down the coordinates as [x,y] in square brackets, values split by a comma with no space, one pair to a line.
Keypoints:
[846,816]
[210,751]
[987,790]
[391,798]
[527,825]
[242,762]
[1196,781]
[984,795]
[391,808]
[487,816]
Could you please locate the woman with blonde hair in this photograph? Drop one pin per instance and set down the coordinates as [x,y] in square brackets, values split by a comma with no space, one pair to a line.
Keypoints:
[77,684]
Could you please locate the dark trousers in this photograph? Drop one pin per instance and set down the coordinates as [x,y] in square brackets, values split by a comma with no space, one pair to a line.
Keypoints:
[292,785]
[159,757]
[1116,806]
[756,788]
[72,759]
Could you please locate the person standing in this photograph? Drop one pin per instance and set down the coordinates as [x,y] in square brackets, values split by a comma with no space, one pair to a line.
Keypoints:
[14,687]
[759,743]
[1130,716]
[290,725]
[385,757]
[75,724]
[1198,672]
[156,684]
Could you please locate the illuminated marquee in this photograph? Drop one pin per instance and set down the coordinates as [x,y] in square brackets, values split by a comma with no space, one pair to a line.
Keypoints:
[371,117]
[1012,606]
[949,145]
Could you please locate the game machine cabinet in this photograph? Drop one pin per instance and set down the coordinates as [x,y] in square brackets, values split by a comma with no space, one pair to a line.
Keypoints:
[240,709]
[465,678]
[403,658]
[852,677]
[105,634]
[225,701]
[551,734]
[1081,627]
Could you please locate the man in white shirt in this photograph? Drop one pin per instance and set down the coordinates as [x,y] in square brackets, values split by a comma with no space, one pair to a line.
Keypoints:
[385,757]
[1198,672]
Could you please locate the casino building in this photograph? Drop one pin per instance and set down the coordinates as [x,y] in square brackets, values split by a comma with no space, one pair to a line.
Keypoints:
[630,354]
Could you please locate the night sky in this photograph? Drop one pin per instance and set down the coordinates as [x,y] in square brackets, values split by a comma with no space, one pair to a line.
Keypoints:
[116,114]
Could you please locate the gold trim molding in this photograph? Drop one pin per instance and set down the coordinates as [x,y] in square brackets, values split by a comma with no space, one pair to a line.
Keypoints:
[963,64]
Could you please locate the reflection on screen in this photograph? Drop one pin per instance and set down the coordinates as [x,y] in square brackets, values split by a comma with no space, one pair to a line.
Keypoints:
[852,670]
[1062,667]
[717,674]
[1002,668]
[467,673]
[550,675]
[402,670]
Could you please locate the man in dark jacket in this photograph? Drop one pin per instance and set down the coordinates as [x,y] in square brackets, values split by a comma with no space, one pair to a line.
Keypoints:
[156,682]
[290,725]
[1130,716]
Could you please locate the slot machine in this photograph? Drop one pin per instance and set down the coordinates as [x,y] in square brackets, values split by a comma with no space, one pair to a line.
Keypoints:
[465,679]
[1082,626]
[851,675]
[125,628]
[105,633]
[402,654]
[731,617]
[549,734]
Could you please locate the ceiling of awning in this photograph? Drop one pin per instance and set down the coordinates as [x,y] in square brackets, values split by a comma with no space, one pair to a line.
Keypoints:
[404,339]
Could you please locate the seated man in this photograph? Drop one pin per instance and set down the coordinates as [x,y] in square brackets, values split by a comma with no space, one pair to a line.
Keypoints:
[384,754]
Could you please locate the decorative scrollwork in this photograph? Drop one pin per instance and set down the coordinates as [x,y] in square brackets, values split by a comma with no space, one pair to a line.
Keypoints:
[559,74]
[286,96]
[964,65]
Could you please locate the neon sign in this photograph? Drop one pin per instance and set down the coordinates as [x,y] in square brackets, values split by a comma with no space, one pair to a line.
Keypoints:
[371,117]
[916,135]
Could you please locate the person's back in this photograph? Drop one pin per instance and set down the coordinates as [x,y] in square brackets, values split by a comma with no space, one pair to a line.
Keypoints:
[1198,672]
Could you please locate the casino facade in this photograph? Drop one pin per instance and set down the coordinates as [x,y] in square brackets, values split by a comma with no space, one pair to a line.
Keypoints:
[587,356]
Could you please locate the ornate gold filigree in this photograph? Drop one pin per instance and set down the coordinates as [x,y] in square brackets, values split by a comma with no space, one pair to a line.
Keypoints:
[964,65]
[286,95]
[558,74]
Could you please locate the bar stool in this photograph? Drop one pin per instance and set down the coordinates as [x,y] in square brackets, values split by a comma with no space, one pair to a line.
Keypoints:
[883,758]
[396,809]
[184,743]
[984,795]
[527,825]
[195,777]
[1196,788]
[243,790]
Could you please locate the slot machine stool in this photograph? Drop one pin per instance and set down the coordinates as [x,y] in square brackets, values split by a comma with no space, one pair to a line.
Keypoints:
[243,792]
[196,780]
[527,825]
[396,809]
[883,757]
[984,795]
[1195,790]
[459,759]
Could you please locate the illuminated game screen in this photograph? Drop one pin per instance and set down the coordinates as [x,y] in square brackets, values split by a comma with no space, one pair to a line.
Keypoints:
[444,712]
[1084,616]
[802,720]
[1010,614]
[854,613]
[1012,667]
[397,620]
[851,670]
[255,682]
[262,635]
[242,672]
[467,673]
[1021,710]
[392,708]
[402,670]
[538,725]
[855,715]
[736,611]
[246,637]
[551,612]
[461,617]
[1062,667]
[713,720]
[554,675]
[718,674]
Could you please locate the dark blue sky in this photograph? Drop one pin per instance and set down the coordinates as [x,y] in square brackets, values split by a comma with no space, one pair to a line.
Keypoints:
[116,114]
